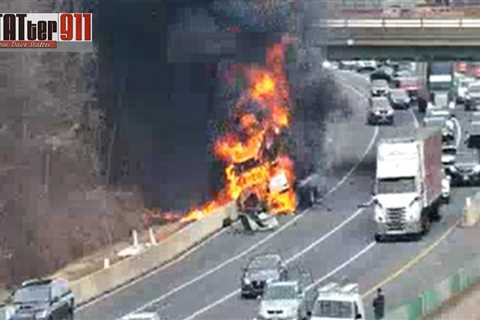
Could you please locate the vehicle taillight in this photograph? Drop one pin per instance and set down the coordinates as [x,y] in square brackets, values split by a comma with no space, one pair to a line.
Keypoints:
[461,67]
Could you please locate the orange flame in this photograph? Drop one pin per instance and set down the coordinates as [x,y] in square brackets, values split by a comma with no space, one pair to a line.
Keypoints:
[245,152]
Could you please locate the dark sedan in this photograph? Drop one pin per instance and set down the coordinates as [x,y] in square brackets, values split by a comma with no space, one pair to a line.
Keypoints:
[260,271]
[399,99]
[466,169]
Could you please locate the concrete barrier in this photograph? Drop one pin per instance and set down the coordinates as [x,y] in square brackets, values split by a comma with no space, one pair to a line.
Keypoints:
[429,301]
[102,281]
[471,211]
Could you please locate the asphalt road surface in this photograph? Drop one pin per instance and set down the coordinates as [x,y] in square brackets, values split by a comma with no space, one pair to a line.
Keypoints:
[333,240]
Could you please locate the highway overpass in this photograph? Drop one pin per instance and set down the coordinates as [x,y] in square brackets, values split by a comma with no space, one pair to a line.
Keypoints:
[420,39]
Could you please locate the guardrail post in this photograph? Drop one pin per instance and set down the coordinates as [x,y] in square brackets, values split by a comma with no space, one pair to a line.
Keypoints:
[106,263]
[384,25]
[135,238]
[153,240]
[421,23]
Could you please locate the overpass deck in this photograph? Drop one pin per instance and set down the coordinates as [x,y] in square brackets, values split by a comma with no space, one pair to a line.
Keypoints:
[421,39]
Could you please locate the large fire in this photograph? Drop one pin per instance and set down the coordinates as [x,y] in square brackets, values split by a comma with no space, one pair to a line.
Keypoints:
[250,148]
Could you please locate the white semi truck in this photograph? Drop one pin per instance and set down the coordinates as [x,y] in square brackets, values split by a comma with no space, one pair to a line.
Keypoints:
[440,82]
[408,185]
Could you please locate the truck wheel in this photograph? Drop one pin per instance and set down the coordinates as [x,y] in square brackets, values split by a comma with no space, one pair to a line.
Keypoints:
[379,237]
[426,225]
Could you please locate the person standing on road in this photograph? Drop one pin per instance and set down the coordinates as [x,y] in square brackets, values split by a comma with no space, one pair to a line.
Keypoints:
[379,305]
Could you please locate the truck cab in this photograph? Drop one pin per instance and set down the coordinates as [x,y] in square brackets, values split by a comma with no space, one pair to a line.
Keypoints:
[440,81]
[337,302]
[408,184]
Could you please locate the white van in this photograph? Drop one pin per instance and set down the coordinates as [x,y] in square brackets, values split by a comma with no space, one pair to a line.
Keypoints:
[338,302]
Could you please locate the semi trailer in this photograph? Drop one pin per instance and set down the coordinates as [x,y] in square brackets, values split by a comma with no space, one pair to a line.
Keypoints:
[408,184]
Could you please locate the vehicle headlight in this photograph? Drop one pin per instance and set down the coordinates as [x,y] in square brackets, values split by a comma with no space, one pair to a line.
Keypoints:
[413,211]
[379,212]
[476,169]
[452,169]
[41,314]
[246,280]
[292,312]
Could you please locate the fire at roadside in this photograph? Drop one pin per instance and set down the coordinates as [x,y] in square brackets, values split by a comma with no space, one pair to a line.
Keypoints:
[257,168]
[255,157]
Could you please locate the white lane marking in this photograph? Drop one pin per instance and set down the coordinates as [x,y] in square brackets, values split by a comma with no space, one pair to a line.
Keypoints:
[218,267]
[151,273]
[415,120]
[355,90]
[261,242]
[324,237]
[343,265]
[459,132]
[291,259]
[264,240]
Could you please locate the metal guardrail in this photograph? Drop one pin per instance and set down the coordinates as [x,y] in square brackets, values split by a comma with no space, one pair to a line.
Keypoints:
[399,23]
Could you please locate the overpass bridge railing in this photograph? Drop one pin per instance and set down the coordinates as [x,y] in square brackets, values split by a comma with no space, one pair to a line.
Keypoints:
[462,23]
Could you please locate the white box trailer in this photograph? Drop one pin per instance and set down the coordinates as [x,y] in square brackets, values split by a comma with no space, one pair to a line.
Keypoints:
[408,184]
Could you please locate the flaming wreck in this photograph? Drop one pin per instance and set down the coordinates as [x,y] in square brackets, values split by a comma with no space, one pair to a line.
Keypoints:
[254,147]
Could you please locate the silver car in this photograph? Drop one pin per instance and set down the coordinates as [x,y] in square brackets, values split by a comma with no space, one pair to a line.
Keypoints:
[380,87]
[380,111]
[283,301]
[472,97]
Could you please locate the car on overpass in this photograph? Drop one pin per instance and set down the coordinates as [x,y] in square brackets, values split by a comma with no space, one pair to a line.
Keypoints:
[348,65]
[260,271]
[364,66]
[380,111]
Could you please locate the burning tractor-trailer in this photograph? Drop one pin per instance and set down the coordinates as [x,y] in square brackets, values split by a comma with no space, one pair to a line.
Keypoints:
[259,173]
